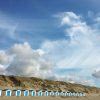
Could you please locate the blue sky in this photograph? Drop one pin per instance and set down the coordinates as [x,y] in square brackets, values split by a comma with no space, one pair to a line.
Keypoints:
[54,39]
[35,17]
[45,8]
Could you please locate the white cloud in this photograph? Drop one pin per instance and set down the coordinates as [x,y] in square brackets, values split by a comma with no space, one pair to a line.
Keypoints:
[4,57]
[69,18]
[81,50]
[2,70]
[28,62]
[21,59]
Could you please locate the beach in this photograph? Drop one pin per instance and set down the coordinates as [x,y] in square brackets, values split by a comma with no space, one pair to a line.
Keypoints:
[91,97]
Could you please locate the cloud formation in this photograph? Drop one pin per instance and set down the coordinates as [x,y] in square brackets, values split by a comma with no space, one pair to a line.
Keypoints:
[4,58]
[28,62]
[80,49]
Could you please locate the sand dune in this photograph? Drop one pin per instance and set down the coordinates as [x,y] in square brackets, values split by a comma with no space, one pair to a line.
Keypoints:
[14,82]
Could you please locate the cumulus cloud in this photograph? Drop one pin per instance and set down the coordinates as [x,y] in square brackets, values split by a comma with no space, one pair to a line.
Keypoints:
[28,62]
[2,69]
[22,60]
[4,58]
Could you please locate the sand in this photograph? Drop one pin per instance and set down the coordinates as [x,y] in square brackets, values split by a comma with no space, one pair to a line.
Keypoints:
[51,98]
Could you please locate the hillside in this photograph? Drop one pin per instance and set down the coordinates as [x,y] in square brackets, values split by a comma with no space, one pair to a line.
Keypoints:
[15,82]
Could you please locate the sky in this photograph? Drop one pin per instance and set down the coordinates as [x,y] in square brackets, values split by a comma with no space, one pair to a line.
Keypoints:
[51,39]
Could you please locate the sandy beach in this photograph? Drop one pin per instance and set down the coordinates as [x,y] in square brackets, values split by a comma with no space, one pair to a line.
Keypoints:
[51,98]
